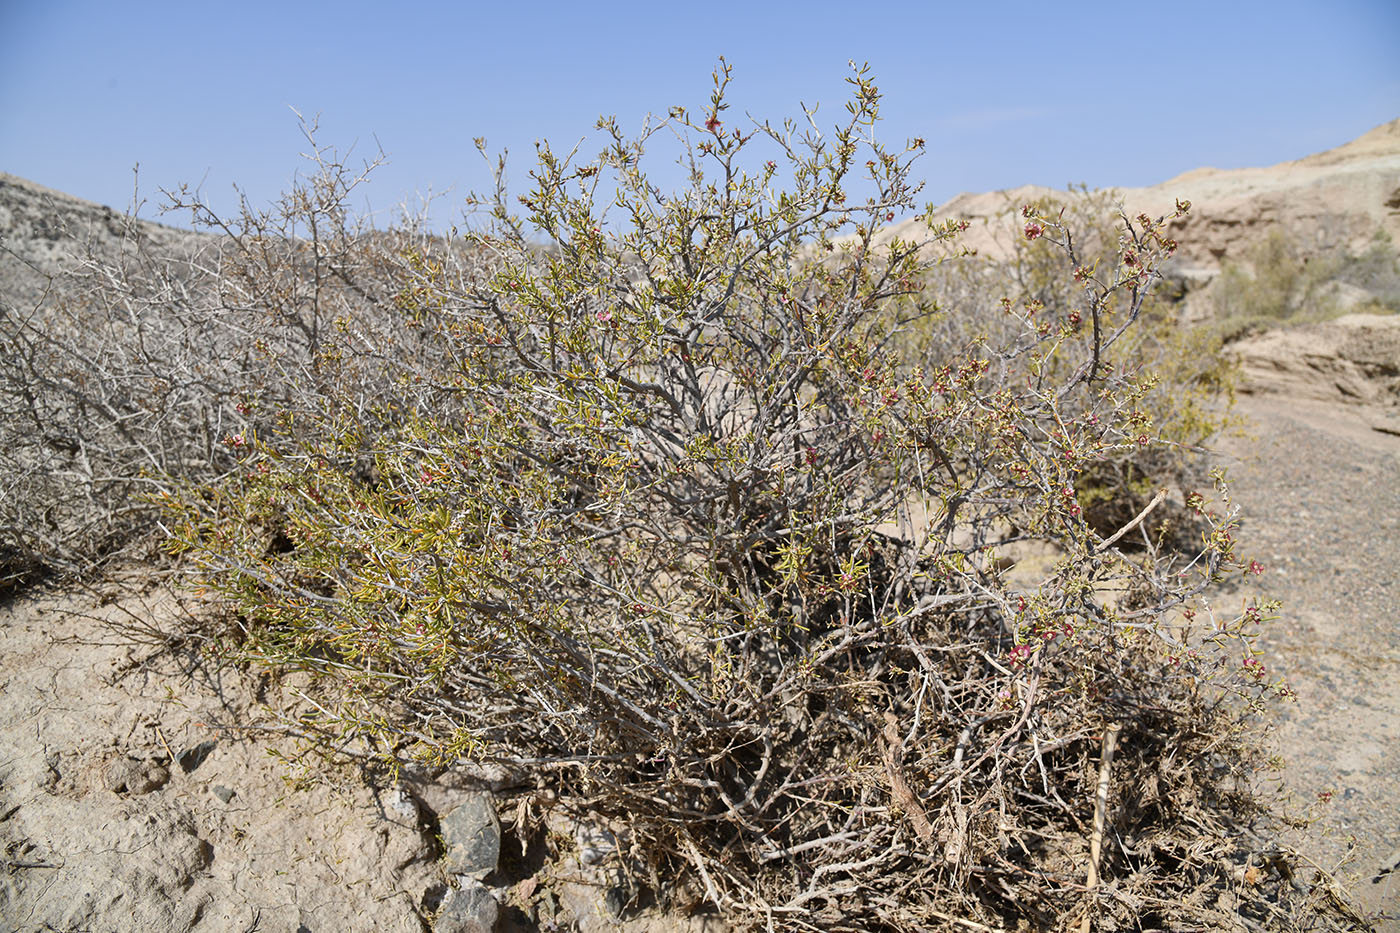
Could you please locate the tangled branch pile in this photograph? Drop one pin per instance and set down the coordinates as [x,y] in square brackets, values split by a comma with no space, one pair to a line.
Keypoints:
[703,504]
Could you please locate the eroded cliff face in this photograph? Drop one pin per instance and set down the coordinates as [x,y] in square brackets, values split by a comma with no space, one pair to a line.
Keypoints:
[1351,363]
[1340,197]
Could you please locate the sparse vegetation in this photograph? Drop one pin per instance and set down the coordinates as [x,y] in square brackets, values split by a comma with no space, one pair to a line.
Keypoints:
[1280,281]
[700,503]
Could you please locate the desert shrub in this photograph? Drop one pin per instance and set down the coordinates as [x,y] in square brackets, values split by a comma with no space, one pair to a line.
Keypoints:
[1375,270]
[151,353]
[665,509]
[1060,278]
[698,505]
[100,390]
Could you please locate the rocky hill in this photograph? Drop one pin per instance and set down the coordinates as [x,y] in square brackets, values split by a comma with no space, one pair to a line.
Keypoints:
[45,232]
[1341,196]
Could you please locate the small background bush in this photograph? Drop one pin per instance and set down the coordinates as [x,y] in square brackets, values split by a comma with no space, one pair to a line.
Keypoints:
[1280,280]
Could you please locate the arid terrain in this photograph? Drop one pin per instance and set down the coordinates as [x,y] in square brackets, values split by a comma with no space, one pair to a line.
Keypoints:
[1321,491]
[143,787]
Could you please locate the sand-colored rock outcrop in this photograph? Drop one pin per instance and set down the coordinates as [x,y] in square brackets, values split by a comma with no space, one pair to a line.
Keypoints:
[1351,362]
[1341,196]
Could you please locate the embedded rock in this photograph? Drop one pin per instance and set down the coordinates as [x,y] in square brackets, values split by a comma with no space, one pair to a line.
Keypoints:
[1353,360]
[596,843]
[194,756]
[471,832]
[468,909]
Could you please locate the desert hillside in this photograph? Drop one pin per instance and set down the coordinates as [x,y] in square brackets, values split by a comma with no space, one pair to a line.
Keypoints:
[45,232]
[1344,195]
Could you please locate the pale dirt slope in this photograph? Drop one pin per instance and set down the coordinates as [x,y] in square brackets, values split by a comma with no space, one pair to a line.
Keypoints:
[1320,483]
[1344,194]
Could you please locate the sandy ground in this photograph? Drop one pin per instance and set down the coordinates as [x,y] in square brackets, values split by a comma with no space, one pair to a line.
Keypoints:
[1321,491]
[103,831]
[141,790]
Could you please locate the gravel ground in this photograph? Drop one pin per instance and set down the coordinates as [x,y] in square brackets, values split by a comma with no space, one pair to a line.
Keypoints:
[1321,494]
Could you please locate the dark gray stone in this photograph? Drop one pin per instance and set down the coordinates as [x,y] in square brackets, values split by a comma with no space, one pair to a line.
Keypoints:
[194,756]
[469,909]
[471,832]
[618,898]
[223,793]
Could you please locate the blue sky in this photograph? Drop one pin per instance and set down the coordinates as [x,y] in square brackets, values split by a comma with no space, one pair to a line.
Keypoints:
[1006,93]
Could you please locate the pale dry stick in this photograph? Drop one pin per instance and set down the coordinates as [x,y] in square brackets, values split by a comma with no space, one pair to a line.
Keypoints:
[964,922]
[165,745]
[773,854]
[1156,501]
[699,862]
[1110,744]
